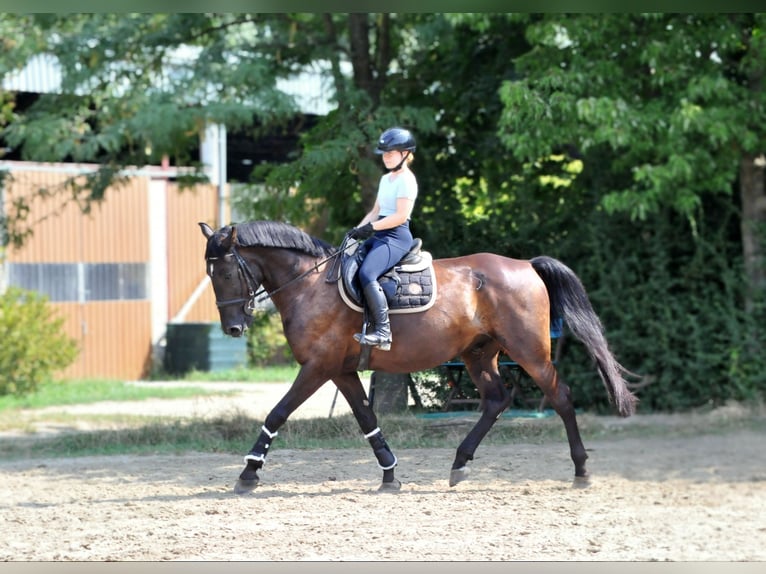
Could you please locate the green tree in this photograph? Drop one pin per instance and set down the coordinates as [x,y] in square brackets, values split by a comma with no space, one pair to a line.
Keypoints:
[665,108]
[139,87]
[628,145]
[666,114]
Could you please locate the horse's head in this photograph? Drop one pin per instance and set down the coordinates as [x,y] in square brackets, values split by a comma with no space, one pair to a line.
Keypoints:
[233,281]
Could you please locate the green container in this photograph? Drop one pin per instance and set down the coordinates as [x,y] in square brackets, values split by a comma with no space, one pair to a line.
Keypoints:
[202,347]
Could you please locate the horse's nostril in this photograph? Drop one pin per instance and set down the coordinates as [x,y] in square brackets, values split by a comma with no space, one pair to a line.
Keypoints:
[235,331]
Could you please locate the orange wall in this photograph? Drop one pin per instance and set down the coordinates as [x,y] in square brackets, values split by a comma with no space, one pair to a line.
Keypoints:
[115,337]
[186,249]
[115,230]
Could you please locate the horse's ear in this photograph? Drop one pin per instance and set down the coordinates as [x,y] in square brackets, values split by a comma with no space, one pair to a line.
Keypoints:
[229,239]
[207,231]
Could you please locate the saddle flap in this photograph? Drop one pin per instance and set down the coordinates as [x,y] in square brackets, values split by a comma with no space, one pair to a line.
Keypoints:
[351,260]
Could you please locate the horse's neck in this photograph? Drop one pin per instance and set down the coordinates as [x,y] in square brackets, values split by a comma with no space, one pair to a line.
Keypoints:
[278,267]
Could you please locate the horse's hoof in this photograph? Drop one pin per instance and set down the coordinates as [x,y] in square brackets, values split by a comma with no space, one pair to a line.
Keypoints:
[244,486]
[392,486]
[458,475]
[581,481]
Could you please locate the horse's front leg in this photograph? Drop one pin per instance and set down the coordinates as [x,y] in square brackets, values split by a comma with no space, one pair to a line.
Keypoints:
[353,391]
[495,399]
[305,385]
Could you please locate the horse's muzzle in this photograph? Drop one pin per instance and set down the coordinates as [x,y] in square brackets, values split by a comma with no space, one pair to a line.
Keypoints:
[235,330]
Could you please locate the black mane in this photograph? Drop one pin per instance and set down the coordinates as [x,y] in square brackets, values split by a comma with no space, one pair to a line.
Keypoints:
[281,235]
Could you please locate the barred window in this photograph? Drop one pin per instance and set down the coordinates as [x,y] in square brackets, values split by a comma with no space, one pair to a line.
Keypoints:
[81,281]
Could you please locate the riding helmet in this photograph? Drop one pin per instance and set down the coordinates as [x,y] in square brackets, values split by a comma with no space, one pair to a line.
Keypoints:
[395,139]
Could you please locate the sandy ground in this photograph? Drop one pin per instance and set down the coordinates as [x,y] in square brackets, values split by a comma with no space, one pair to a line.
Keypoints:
[677,498]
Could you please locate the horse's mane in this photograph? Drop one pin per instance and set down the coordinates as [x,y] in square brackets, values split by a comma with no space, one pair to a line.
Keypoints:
[281,235]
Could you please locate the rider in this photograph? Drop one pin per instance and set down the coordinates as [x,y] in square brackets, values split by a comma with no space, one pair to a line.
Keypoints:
[387,229]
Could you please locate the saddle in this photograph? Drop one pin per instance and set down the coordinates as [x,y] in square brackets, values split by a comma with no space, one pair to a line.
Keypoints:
[410,286]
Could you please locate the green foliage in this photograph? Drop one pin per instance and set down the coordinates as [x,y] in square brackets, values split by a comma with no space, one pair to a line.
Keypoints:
[669,102]
[673,311]
[33,345]
[612,141]
[661,109]
[266,342]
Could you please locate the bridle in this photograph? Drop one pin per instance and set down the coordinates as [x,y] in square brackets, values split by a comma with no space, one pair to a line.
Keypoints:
[256,294]
[248,303]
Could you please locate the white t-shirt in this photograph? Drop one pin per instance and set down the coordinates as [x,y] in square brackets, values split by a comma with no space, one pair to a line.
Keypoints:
[404,185]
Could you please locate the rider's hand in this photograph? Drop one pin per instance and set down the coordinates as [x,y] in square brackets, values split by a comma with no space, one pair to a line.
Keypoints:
[362,232]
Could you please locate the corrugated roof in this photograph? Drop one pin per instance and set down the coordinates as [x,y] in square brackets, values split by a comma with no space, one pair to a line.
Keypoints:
[41,75]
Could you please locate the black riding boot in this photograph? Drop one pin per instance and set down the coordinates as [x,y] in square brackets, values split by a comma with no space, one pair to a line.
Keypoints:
[378,306]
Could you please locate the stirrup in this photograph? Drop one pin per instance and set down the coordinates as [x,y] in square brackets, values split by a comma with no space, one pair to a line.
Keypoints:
[363,340]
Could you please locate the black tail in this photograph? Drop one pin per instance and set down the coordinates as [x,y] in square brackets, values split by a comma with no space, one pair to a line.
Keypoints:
[570,301]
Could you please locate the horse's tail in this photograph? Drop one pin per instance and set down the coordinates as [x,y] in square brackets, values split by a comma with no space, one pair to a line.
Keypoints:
[569,301]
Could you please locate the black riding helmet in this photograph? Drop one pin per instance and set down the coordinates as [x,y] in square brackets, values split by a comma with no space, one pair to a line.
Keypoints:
[395,139]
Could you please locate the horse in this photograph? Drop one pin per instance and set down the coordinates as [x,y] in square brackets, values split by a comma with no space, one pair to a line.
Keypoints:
[486,304]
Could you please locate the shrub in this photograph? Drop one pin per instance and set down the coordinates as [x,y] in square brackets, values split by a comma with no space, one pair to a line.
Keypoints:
[32,344]
[266,342]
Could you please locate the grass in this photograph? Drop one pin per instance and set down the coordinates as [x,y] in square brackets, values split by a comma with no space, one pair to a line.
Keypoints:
[273,374]
[70,392]
[91,391]
[235,432]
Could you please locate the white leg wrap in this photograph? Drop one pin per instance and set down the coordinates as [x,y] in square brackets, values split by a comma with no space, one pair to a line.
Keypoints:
[255,457]
[372,433]
[268,432]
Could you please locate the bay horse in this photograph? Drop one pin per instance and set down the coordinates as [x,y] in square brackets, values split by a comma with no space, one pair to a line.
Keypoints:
[486,304]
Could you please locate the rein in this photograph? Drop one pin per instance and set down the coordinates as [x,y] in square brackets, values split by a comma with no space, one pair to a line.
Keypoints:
[258,294]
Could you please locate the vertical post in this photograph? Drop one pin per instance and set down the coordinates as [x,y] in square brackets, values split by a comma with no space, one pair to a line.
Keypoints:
[222,195]
[3,235]
[157,275]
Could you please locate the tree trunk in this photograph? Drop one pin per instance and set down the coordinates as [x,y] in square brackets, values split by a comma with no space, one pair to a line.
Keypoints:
[753,226]
[370,67]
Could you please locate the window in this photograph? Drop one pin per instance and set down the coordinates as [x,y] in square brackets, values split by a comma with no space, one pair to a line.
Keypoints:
[82,281]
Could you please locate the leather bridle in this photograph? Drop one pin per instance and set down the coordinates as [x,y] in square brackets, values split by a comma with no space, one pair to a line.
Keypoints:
[251,284]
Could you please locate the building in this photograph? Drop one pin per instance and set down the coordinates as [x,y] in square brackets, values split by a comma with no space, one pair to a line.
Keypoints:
[121,274]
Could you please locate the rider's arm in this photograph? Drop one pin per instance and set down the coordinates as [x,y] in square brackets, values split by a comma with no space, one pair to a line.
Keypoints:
[372,215]
[404,208]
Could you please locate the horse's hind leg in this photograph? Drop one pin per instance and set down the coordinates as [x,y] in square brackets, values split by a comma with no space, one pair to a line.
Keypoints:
[353,391]
[495,398]
[560,398]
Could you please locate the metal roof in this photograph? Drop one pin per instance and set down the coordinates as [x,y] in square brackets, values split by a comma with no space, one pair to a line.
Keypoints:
[42,75]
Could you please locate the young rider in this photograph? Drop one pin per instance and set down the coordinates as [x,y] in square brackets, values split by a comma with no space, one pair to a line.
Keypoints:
[386,229]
